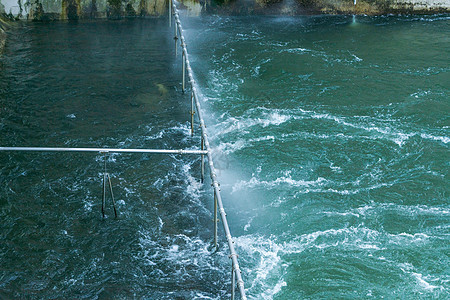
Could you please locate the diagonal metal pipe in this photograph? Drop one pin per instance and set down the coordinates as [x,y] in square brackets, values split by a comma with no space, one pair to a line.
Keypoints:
[215,183]
[103,150]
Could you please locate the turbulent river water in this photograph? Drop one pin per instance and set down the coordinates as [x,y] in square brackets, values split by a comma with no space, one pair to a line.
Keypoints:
[330,136]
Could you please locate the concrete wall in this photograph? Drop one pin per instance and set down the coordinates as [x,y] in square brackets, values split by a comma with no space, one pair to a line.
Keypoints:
[43,10]
[76,9]
[294,7]
[3,27]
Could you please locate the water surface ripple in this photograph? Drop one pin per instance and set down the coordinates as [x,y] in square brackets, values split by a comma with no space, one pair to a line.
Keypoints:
[101,84]
[331,140]
[335,135]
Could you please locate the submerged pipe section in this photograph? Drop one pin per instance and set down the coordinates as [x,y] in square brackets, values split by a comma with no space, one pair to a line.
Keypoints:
[104,150]
[235,265]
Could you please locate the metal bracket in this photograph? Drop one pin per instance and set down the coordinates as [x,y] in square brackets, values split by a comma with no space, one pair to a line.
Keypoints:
[107,177]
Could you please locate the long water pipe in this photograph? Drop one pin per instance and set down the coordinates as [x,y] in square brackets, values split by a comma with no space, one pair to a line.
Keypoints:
[104,150]
[236,272]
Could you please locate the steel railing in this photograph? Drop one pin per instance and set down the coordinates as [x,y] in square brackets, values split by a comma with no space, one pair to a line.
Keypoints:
[218,204]
[205,150]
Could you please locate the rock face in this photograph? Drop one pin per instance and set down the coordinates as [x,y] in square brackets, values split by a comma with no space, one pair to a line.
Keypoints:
[295,7]
[41,10]
[3,23]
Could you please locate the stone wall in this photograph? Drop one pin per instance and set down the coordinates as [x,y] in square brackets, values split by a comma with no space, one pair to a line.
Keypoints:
[43,10]
[84,9]
[3,27]
[296,7]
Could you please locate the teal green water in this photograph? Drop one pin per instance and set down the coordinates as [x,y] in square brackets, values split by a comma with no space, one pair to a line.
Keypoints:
[336,137]
[330,137]
[100,84]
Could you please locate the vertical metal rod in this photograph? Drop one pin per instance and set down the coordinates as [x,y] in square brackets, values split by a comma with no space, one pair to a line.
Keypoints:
[205,143]
[170,13]
[104,195]
[104,188]
[192,114]
[233,281]
[112,195]
[176,39]
[184,71]
[203,161]
[215,221]
[176,31]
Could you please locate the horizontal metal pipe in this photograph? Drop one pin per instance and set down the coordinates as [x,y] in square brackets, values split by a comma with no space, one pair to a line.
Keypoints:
[215,183]
[104,150]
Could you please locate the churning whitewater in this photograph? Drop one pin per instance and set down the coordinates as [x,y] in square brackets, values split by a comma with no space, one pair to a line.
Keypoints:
[330,137]
[335,133]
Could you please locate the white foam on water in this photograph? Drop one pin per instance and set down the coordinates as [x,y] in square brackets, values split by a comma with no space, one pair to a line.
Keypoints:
[379,129]
[403,239]
[406,210]
[88,205]
[184,128]
[397,137]
[265,253]
[356,58]
[326,57]
[129,191]
[343,214]
[274,118]
[264,119]
[160,224]
[420,94]
[420,210]
[257,68]
[111,158]
[159,183]
[320,185]
[155,136]
[268,294]
[179,251]
[298,50]
[264,138]
[348,237]
[407,237]
[386,131]
[249,223]
[231,147]
[220,82]
[359,237]
[335,168]
[442,139]
[276,44]
[202,296]
[285,180]
[350,192]
[194,186]
[180,128]
[278,202]
[266,249]
[424,284]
